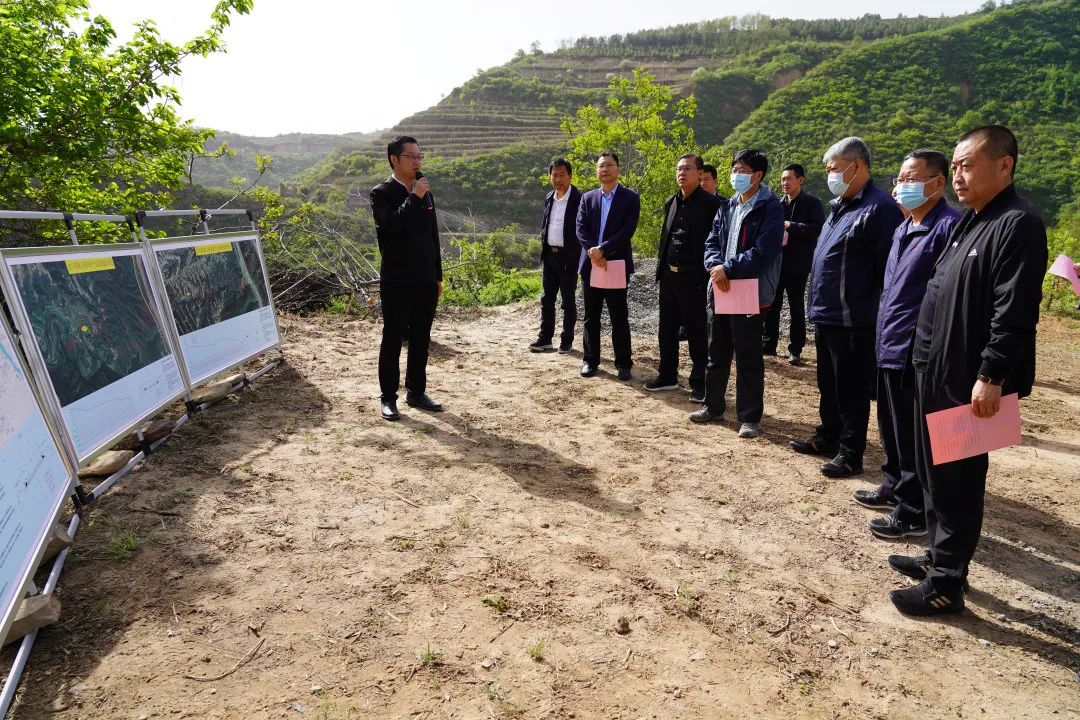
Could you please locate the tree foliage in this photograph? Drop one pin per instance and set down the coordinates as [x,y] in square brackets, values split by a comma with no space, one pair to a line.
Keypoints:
[87,125]
[648,129]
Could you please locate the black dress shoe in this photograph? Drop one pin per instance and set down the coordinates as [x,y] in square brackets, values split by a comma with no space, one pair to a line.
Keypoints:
[421,401]
[924,599]
[704,415]
[625,374]
[813,446]
[587,370]
[389,410]
[842,466]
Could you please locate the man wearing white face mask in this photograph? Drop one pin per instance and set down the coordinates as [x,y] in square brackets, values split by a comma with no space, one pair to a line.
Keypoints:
[745,242]
[845,286]
[916,245]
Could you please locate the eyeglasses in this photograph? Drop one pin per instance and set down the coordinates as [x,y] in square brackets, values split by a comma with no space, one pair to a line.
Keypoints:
[606,166]
[412,156]
[899,181]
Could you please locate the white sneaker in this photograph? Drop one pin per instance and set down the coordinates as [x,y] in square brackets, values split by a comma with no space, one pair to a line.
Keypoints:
[748,430]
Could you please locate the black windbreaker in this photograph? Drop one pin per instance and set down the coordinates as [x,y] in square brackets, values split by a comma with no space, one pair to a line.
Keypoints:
[982,304]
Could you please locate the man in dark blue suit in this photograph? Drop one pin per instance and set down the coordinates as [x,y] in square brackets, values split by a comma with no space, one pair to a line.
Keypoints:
[606,222]
[560,256]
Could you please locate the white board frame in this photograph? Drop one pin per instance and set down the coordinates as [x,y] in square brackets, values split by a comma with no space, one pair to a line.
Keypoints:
[184,241]
[9,605]
[33,354]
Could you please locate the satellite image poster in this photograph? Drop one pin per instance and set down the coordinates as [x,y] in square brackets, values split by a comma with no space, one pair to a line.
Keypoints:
[219,300]
[94,320]
[34,479]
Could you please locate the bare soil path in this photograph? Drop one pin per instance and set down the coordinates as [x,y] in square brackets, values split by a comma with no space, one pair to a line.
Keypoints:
[476,563]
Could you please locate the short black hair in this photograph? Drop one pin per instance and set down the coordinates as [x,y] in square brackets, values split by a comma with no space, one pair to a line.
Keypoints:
[754,158]
[608,154]
[709,170]
[699,164]
[796,168]
[934,160]
[563,163]
[397,146]
[999,141]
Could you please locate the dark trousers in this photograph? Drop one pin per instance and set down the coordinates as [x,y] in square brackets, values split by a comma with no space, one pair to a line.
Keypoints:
[845,372]
[558,279]
[953,493]
[682,304]
[619,314]
[738,335]
[406,308]
[795,287]
[896,421]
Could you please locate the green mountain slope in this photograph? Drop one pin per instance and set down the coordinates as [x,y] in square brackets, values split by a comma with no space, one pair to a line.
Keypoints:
[292,153]
[1019,66]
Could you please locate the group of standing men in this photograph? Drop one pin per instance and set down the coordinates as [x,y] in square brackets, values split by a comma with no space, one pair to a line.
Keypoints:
[911,303]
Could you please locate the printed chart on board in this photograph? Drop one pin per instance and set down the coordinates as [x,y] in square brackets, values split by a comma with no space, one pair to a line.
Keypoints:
[33,477]
[219,300]
[93,317]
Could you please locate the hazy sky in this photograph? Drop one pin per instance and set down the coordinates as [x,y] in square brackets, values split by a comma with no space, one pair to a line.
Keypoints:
[334,67]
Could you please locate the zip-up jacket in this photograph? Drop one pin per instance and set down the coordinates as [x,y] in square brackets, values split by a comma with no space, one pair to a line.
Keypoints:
[849,260]
[700,210]
[408,233]
[806,218]
[760,239]
[982,304]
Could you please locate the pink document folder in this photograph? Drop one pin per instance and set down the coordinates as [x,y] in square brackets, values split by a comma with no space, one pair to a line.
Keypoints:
[611,277]
[1064,267]
[741,299]
[956,433]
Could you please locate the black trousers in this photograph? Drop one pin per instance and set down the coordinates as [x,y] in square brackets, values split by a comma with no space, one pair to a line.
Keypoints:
[738,335]
[618,313]
[953,493]
[406,308]
[896,422]
[682,304]
[795,287]
[558,279]
[845,372]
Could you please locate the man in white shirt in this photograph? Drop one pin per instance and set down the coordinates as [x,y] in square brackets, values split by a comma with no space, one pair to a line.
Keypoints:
[560,256]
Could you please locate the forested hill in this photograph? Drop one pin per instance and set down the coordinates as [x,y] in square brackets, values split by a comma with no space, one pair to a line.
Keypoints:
[790,86]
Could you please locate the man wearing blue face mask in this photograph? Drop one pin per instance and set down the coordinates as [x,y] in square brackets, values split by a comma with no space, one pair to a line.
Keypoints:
[916,245]
[845,286]
[744,243]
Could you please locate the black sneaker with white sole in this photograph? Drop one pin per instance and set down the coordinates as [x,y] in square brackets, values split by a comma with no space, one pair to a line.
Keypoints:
[873,499]
[659,385]
[541,346]
[889,527]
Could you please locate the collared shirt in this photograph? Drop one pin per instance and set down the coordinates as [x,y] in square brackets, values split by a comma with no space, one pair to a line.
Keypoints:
[558,219]
[737,216]
[605,208]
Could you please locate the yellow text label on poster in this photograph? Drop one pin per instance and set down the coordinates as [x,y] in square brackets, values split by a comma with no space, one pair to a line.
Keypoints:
[74,267]
[213,248]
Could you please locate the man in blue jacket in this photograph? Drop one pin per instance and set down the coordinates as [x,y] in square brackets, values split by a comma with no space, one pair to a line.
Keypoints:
[916,245]
[560,256]
[606,221]
[745,243]
[847,269]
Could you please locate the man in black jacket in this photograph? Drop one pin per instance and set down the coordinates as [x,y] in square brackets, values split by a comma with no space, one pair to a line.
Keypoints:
[410,277]
[560,255]
[974,341]
[803,218]
[680,272]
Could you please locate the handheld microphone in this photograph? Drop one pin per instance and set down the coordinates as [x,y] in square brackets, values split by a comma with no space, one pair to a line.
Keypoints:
[426,202]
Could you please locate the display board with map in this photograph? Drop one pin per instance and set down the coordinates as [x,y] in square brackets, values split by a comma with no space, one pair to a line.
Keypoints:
[220,300]
[34,479]
[97,333]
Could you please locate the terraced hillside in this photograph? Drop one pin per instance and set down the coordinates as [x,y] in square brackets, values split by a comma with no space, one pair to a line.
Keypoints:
[489,140]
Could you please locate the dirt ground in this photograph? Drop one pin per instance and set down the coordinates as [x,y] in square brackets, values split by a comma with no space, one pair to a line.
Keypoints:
[476,563]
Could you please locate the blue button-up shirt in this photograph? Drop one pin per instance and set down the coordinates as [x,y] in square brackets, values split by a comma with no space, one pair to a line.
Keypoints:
[914,250]
[605,208]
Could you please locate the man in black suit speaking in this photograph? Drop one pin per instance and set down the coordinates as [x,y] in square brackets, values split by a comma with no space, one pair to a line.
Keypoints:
[410,277]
